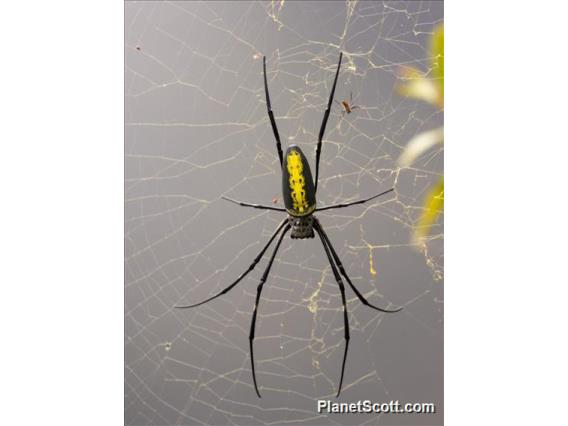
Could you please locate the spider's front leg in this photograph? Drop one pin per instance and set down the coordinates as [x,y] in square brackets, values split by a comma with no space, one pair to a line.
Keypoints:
[271,114]
[324,121]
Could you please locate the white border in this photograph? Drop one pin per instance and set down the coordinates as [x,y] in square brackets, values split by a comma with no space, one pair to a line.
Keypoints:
[505,204]
[62,213]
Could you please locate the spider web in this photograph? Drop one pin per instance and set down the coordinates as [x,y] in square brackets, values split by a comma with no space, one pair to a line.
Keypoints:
[197,129]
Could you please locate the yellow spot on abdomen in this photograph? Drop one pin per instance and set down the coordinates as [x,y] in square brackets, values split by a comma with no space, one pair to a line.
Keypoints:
[297,181]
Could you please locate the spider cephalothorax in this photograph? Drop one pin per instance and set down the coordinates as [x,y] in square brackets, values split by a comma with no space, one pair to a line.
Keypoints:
[299,195]
[302,227]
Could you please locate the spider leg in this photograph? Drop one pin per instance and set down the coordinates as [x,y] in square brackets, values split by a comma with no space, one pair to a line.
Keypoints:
[250,268]
[344,300]
[258,291]
[255,206]
[362,298]
[270,114]
[337,206]
[324,122]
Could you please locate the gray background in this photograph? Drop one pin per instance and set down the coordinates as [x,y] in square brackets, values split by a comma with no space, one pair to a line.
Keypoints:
[197,129]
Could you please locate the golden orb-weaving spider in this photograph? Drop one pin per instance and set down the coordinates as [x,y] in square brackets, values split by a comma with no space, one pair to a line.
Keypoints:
[299,195]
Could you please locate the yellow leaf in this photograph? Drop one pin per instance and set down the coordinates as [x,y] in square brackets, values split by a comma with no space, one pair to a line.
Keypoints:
[433,206]
[430,88]
[416,86]
[437,52]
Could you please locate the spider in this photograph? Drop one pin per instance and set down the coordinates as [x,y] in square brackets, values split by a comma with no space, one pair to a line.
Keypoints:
[347,106]
[299,196]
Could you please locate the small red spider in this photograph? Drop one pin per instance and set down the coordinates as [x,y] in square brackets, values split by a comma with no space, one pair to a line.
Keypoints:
[348,106]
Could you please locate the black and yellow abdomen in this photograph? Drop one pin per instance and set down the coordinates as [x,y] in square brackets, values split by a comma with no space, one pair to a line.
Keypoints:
[297,183]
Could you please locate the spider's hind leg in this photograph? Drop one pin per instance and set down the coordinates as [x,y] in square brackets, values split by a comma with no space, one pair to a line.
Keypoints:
[362,298]
[258,292]
[244,274]
[343,299]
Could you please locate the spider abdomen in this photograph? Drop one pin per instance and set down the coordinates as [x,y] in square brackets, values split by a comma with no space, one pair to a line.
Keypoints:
[297,184]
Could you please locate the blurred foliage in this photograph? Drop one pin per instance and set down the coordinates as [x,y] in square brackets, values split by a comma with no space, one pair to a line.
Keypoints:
[427,87]
[433,206]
